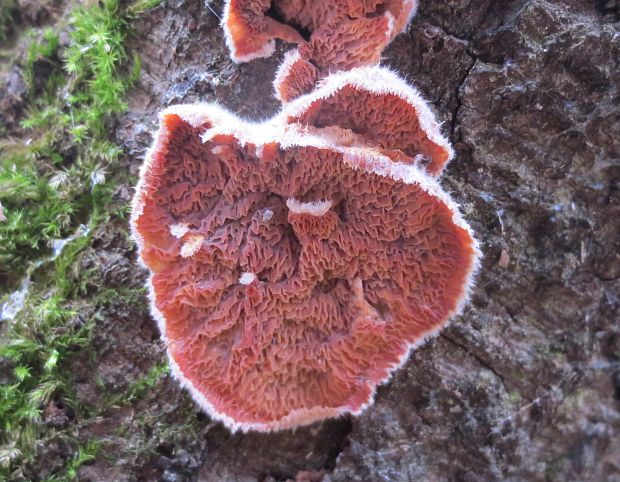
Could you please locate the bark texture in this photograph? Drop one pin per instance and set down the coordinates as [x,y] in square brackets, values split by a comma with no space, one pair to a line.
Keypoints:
[526,384]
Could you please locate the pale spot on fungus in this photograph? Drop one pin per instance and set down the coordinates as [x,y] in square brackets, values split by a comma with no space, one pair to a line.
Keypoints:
[267,215]
[247,278]
[191,246]
[313,208]
[179,230]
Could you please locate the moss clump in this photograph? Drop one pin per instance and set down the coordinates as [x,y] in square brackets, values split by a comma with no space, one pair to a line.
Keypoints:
[56,182]
[7,12]
[53,179]
[38,349]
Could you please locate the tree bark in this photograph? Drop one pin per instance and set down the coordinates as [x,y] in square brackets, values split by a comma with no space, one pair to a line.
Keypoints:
[525,385]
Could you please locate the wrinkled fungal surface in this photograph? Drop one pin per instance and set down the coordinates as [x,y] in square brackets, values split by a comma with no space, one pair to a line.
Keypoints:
[290,275]
[250,33]
[294,77]
[331,35]
[379,106]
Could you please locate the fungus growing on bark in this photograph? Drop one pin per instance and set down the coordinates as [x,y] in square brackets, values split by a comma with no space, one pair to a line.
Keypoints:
[379,106]
[331,35]
[291,275]
[294,77]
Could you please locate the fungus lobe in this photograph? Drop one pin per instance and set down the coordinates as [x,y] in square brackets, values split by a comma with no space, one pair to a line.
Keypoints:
[330,35]
[380,107]
[289,274]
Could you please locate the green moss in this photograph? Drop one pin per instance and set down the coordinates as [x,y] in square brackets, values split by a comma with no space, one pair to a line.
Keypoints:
[52,181]
[52,185]
[36,211]
[515,398]
[138,388]
[7,12]
[43,48]
[150,429]
[38,345]
[84,454]
[92,61]
[130,296]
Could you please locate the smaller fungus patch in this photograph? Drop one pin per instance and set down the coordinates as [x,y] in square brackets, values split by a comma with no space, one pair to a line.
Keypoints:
[379,107]
[330,35]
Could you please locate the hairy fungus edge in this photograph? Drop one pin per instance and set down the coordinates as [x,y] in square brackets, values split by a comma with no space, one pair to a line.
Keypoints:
[266,50]
[195,115]
[413,9]
[283,71]
[379,81]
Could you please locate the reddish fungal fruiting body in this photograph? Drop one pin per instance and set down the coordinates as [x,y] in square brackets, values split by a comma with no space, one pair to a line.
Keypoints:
[379,106]
[294,264]
[250,33]
[331,35]
[291,274]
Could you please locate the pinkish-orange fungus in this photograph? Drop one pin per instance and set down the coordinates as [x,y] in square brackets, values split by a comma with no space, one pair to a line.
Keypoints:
[331,35]
[338,45]
[250,33]
[330,31]
[290,276]
[379,106]
[295,77]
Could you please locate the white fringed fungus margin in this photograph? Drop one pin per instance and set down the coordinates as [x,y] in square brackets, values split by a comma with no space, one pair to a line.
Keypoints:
[379,81]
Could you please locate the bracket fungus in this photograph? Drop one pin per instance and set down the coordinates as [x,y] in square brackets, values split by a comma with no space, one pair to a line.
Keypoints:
[290,275]
[331,35]
[295,263]
[380,107]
